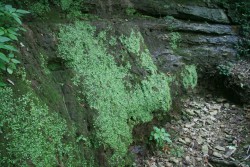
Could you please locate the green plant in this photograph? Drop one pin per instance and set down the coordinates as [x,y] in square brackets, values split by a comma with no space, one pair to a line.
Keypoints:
[189,76]
[44,65]
[160,136]
[169,17]
[225,69]
[31,134]
[130,11]
[174,40]
[42,7]
[177,151]
[119,107]
[10,24]
[39,8]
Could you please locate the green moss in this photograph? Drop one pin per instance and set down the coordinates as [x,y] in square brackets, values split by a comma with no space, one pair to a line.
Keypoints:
[174,40]
[190,77]
[32,134]
[113,41]
[44,65]
[132,43]
[130,11]
[104,85]
[135,45]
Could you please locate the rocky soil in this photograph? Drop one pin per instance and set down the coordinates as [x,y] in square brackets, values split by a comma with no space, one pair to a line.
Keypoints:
[212,132]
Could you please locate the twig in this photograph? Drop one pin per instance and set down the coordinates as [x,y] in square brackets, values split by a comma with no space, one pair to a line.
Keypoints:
[248,149]
[210,165]
[224,162]
[247,157]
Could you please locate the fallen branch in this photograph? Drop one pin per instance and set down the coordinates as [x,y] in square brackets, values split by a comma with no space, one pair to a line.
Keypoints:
[224,162]
[247,157]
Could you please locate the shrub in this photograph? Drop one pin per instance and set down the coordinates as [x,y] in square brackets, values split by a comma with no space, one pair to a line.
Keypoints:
[160,136]
[225,69]
[10,25]
[32,136]
[190,76]
[41,7]
[120,105]
[174,40]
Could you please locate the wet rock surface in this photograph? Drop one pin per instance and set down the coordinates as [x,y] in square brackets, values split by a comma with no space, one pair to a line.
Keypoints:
[212,132]
[181,9]
[238,81]
[200,30]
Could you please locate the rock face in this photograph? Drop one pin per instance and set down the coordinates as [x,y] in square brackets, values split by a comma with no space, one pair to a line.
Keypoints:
[183,10]
[105,76]
[238,82]
[201,31]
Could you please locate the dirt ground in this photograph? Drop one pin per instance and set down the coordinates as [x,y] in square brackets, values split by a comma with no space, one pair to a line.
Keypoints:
[212,132]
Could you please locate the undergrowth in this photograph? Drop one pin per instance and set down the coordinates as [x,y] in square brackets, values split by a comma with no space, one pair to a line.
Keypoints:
[41,7]
[104,84]
[10,25]
[190,77]
[32,135]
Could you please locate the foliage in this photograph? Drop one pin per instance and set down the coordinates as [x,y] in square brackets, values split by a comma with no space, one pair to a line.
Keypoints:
[133,44]
[190,77]
[10,24]
[174,40]
[177,151]
[130,11]
[44,65]
[41,7]
[160,136]
[32,135]
[104,84]
[225,69]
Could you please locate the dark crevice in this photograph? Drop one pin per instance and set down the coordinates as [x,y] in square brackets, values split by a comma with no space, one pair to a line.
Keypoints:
[56,64]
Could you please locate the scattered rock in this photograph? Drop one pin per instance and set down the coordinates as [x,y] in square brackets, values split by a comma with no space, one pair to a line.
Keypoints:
[182,141]
[168,164]
[153,165]
[199,159]
[212,118]
[213,112]
[175,160]
[218,155]
[230,150]
[221,100]
[198,112]
[205,149]
[189,125]
[160,164]
[187,140]
[212,125]
[200,140]
[188,160]
[220,148]
[226,105]
[190,112]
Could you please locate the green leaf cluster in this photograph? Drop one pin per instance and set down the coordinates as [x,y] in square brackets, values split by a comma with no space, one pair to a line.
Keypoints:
[120,107]
[160,136]
[10,24]
[31,135]
[225,69]
[42,7]
[174,40]
[189,76]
